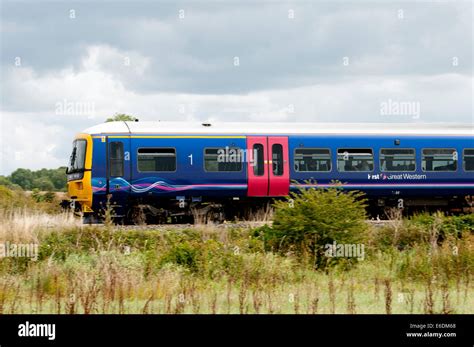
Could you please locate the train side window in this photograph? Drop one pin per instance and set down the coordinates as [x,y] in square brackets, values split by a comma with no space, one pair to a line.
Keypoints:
[312,160]
[116,159]
[156,159]
[468,156]
[223,159]
[258,167]
[355,159]
[439,159]
[397,159]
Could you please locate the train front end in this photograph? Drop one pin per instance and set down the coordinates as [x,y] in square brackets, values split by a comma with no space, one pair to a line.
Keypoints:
[79,172]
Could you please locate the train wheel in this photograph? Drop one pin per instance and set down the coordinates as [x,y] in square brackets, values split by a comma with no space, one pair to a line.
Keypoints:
[215,216]
[137,215]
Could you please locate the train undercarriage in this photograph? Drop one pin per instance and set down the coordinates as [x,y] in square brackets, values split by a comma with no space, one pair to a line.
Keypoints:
[166,211]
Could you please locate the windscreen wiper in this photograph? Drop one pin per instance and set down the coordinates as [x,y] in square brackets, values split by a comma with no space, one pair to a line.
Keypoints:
[72,160]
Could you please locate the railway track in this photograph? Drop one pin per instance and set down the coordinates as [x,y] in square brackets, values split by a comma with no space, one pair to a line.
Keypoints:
[223,226]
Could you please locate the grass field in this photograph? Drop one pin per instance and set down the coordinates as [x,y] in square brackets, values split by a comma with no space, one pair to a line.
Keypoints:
[208,269]
[230,268]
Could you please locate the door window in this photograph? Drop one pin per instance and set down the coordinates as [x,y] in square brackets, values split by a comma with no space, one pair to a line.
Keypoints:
[116,159]
[277,159]
[258,165]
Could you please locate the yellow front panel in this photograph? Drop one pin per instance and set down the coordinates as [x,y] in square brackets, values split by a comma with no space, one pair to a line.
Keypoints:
[81,190]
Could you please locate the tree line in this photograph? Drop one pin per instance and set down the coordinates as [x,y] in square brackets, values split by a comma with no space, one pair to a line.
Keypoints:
[44,179]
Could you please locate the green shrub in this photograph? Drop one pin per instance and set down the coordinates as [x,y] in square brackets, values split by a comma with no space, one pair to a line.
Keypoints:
[11,199]
[14,265]
[184,254]
[456,225]
[14,199]
[451,261]
[4,181]
[421,229]
[6,194]
[307,222]
[76,240]
[49,197]
[399,235]
[36,195]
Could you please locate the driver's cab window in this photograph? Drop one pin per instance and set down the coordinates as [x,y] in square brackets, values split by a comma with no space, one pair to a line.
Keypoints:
[78,156]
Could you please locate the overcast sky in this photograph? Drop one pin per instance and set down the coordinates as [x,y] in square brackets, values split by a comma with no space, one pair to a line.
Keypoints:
[66,66]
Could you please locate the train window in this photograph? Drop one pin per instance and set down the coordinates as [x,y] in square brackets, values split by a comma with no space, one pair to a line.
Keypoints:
[78,157]
[468,156]
[226,159]
[439,159]
[355,159]
[116,159]
[258,167]
[277,159]
[397,159]
[312,159]
[156,159]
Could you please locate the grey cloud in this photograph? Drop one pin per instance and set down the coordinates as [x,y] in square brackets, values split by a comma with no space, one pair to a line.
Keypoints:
[189,62]
[195,54]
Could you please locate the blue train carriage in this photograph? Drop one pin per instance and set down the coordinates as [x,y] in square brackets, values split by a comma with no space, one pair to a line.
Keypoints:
[176,171]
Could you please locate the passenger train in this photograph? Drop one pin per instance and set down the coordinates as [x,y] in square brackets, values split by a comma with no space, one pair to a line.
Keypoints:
[172,171]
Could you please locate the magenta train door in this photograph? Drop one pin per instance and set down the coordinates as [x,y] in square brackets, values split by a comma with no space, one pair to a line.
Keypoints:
[268,166]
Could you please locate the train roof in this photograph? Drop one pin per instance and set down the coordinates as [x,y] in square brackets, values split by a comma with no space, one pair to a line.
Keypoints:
[289,128]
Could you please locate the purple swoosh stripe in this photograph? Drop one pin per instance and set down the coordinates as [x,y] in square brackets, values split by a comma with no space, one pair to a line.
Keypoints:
[180,187]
